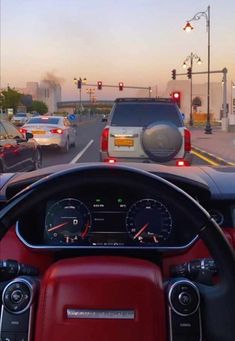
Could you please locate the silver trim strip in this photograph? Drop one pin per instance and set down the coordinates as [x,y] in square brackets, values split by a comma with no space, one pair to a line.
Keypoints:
[100,314]
[91,247]
[124,135]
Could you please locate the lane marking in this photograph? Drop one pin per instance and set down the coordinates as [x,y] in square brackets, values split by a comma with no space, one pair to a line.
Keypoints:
[79,155]
[205,158]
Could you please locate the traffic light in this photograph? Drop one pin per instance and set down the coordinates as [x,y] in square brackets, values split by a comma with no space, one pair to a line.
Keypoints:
[189,73]
[173,74]
[99,85]
[120,86]
[176,97]
[79,83]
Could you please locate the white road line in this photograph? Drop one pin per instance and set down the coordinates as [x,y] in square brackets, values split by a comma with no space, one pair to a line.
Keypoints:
[77,157]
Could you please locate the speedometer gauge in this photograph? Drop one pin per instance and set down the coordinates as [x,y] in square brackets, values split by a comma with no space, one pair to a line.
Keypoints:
[67,221]
[149,221]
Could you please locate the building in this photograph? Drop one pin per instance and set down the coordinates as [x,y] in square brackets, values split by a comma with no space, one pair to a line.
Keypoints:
[199,97]
[46,91]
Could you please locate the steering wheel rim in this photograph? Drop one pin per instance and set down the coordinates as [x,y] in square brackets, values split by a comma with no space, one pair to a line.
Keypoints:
[218,298]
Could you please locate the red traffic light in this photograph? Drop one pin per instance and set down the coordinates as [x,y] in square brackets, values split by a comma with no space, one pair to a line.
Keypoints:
[176,97]
[121,86]
[99,85]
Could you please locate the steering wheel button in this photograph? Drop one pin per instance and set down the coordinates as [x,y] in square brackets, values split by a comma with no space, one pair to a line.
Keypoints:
[16,296]
[185,298]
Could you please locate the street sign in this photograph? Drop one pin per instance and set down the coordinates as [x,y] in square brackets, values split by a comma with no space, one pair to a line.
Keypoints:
[72,117]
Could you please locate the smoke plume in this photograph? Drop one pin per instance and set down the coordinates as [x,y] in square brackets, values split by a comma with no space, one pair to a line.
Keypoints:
[51,78]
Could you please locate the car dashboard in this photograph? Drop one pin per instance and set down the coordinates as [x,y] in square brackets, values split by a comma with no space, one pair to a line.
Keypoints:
[120,218]
[105,218]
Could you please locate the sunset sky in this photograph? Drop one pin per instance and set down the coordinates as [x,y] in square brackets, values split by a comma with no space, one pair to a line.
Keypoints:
[138,42]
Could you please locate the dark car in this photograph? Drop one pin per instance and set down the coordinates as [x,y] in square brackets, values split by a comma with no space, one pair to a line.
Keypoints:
[17,152]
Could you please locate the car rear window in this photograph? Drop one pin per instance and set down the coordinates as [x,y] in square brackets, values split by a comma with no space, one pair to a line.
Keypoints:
[142,114]
[45,120]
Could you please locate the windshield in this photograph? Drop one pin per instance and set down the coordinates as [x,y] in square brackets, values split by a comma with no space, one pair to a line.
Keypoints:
[133,80]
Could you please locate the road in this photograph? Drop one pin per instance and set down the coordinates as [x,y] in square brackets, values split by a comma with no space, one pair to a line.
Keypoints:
[87,149]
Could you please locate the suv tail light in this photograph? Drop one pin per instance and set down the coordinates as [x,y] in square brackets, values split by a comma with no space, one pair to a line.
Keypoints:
[23,130]
[182,163]
[187,140]
[57,131]
[105,140]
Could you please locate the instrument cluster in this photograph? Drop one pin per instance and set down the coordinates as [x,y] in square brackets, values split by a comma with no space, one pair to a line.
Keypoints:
[110,219]
[70,221]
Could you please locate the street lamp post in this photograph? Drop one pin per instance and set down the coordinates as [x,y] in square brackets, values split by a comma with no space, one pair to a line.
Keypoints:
[188,27]
[190,58]
[232,88]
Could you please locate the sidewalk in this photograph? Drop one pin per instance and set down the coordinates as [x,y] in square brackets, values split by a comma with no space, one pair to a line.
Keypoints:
[219,145]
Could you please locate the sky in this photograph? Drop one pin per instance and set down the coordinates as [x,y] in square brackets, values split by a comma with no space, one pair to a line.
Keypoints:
[138,42]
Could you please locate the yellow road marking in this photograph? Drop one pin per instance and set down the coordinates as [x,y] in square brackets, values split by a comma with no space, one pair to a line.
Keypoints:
[205,158]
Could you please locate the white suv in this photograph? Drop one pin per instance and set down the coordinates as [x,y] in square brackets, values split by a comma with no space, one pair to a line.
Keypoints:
[146,130]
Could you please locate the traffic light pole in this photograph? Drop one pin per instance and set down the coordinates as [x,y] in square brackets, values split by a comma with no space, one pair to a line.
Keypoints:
[208,129]
[125,87]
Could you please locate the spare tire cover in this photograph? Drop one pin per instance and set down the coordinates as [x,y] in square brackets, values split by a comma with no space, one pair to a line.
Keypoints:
[161,141]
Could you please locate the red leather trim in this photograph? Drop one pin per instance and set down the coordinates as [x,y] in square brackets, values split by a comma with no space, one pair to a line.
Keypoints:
[231,233]
[12,248]
[101,283]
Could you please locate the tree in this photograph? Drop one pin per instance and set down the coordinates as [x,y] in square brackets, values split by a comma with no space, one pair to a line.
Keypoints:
[10,98]
[39,106]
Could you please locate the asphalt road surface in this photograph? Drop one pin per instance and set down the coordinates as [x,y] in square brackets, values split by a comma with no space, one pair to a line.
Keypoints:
[87,149]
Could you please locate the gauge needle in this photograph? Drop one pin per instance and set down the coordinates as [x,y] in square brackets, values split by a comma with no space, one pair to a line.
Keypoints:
[57,226]
[141,231]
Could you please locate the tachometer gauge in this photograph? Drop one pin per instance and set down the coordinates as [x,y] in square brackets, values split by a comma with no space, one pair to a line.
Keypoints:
[149,221]
[67,221]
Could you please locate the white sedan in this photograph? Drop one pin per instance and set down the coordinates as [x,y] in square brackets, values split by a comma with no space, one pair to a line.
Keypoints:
[52,131]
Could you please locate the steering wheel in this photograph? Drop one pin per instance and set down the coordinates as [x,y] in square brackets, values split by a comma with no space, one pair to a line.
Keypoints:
[218,301]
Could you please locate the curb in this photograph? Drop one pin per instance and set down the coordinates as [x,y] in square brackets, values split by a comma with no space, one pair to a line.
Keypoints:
[212,157]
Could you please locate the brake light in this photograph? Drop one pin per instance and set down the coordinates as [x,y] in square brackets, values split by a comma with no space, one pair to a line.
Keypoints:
[187,140]
[57,131]
[111,161]
[23,130]
[105,140]
[182,163]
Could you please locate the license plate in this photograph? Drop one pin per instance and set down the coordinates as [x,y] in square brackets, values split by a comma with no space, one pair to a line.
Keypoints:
[122,142]
[38,132]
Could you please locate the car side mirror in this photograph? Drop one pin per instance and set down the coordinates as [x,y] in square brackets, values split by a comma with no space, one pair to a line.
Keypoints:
[28,136]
